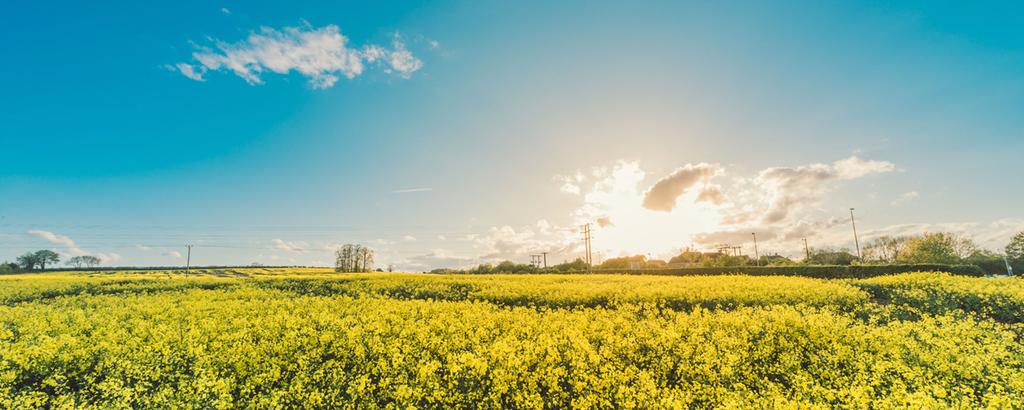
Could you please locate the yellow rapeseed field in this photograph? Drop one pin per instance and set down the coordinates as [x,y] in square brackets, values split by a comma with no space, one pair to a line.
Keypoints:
[274,338]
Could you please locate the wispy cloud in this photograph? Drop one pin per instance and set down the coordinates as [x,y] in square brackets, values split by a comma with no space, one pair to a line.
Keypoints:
[288,245]
[320,54]
[56,239]
[411,190]
[906,197]
[70,246]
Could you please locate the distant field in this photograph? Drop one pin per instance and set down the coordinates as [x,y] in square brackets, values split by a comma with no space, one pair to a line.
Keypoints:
[270,338]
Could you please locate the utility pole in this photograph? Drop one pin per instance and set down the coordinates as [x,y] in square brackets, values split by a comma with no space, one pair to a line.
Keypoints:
[545,255]
[807,250]
[535,260]
[188,260]
[757,255]
[586,243]
[855,239]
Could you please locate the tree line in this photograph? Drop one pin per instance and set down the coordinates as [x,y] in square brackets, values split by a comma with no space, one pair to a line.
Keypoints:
[944,248]
[39,260]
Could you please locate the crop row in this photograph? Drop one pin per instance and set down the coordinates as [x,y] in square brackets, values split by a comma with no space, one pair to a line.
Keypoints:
[247,347]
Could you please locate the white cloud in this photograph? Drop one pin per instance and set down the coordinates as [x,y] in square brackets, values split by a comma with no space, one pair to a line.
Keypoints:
[173,254]
[289,246]
[906,197]
[434,259]
[143,248]
[62,240]
[663,194]
[411,190]
[320,54]
[698,204]
[442,238]
[409,238]
[108,257]
[790,189]
[712,194]
[190,71]
[225,10]
[72,248]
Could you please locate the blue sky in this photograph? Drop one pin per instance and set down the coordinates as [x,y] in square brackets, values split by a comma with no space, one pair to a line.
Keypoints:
[476,131]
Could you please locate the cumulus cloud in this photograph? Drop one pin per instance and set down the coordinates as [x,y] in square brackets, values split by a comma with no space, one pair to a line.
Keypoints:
[698,203]
[906,197]
[791,188]
[322,55]
[712,194]
[662,196]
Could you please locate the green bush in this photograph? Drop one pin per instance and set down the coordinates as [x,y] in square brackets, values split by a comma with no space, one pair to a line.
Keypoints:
[813,271]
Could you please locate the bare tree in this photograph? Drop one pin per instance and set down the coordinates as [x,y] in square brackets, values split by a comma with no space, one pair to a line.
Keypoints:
[886,248]
[353,258]
[90,261]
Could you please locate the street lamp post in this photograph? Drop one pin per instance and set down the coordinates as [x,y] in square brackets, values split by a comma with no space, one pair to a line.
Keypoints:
[856,240]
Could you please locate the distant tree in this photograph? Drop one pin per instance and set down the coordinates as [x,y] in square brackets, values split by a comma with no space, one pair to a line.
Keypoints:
[775,260]
[482,269]
[46,256]
[885,248]
[990,262]
[75,261]
[578,265]
[727,261]
[690,256]
[632,262]
[8,267]
[91,261]
[365,259]
[353,258]
[28,261]
[940,247]
[831,257]
[512,267]
[1015,249]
